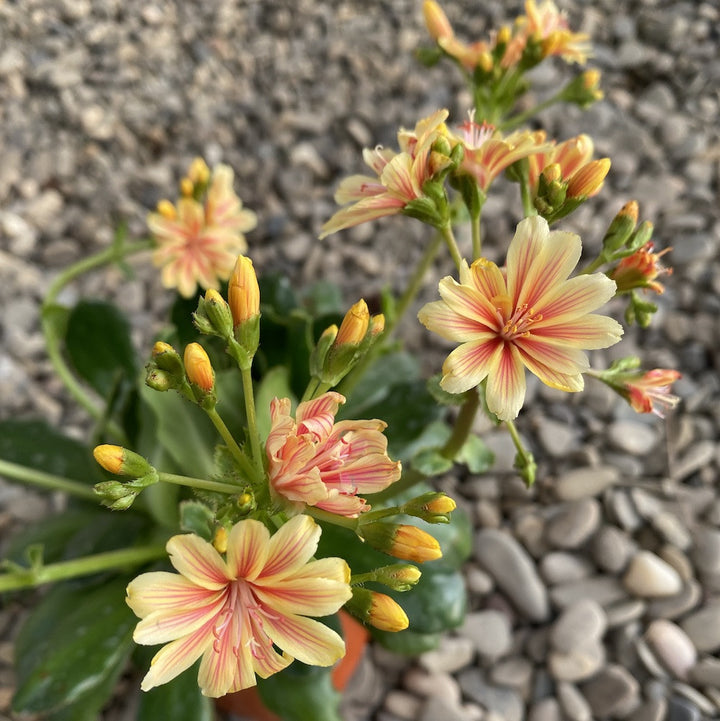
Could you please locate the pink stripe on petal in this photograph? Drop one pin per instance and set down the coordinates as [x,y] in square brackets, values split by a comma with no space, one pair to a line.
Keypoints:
[443,320]
[174,658]
[364,210]
[560,357]
[160,590]
[292,546]
[300,486]
[469,364]
[398,177]
[317,416]
[247,549]
[372,474]
[569,382]
[306,596]
[307,640]
[576,297]
[198,561]
[469,303]
[226,661]
[588,332]
[163,626]
[334,569]
[505,390]
[356,187]
[344,504]
[487,279]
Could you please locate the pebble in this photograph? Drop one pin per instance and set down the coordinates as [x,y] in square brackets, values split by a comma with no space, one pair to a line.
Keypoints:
[515,672]
[634,438]
[573,525]
[706,672]
[505,701]
[680,709]
[573,703]
[580,663]
[490,633]
[402,704]
[678,605]
[672,647]
[561,566]
[546,709]
[425,684]
[612,549]
[603,589]
[650,710]
[581,622]
[706,550]
[514,572]
[623,612]
[703,628]
[452,654]
[612,692]
[648,576]
[584,482]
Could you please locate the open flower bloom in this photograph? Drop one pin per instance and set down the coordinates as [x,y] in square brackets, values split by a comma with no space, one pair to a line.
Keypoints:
[487,153]
[233,611]
[574,158]
[197,243]
[650,392]
[318,462]
[530,316]
[399,176]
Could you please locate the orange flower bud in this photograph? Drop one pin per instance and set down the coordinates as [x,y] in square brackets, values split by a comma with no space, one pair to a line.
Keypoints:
[220,540]
[121,461]
[441,504]
[243,292]
[198,367]
[436,21]
[408,543]
[167,209]
[187,187]
[589,179]
[631,211]
[355,325]
[552,173]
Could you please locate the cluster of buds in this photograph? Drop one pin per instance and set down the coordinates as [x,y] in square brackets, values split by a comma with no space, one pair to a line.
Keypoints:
[339,349]
[121,462]
[645,391]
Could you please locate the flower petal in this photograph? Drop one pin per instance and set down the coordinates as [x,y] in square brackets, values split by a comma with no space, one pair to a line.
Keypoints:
[576,297]
[162,626]
[247,549]
[551,376]
[561,358]
[467,301]
[306,640]
[160,590]
[505,390]
[469,364]
[292,546]
[356,187]
[198,561]
[318,415]
[344,504]
[306,596]
[440,318]
[366,209]
[589,332]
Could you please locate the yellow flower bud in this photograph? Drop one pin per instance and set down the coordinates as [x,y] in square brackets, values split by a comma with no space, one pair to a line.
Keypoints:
[377,325]
[243,292]
[121,461]
[441,504]
[631,211]
[220,540]
[198,367]
[355,325]
[436,21]
[167,209]
[187,187]
[589,179]
[198,173]
[386,614]
[552,173]
[408,543]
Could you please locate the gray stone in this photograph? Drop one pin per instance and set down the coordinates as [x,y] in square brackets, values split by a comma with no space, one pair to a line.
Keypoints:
[505,701]
[584,482]
[574,523]
[672,529]
[706,672]
[632,437]
[648,576]
[515,672]
[573,703]
[513,571]
[651,710]
[426,684]
[490,633]
[612,692]
[703,627]
[436,708]
[672,647]
[603,589]
[561,566]
[680,709]
[581,622]
[623,612]
[581,663]
[452,654]
[546,709]
[706,551]
[678,605]
[612,549]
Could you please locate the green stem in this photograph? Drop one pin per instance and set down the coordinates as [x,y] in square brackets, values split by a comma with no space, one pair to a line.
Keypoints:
[476,237]
[592,267]
[451,243]
[524,462]
[52,339]
[200,483]
[527,201]
[463,425]
[312,385]
[249,396]
[404,302]
[326,517]
[381,513]
[523,117]
[47,481]
[231,443]
[31,577]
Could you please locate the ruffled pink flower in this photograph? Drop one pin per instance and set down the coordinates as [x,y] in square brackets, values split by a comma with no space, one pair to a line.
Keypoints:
[650,392]
[399,177]
[529,316]
[234,611]
[318,462]
[198,242]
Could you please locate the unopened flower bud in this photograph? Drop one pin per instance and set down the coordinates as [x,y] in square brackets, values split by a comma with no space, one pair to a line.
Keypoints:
[198,368]
[436,21]
[432,507]
[354,325]
[121,461]
[408,543]
[167,358]
[321,350]
[399,577]
[377,609]
[377,325]
[213,315]
[621,228]
[220,539]
[589,179]
[187,187]
[160,380]
[167,209]
[243,292]
[198,173]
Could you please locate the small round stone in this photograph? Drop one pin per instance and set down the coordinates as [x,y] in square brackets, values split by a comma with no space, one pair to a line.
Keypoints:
[703,628]
[584,482]
[672,647]
[612,692]
[581,622]
[648,576]
[574,523]
[490,633]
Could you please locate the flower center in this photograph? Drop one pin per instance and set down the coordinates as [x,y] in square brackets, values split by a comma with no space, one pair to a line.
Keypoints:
[514,322]
[476,135]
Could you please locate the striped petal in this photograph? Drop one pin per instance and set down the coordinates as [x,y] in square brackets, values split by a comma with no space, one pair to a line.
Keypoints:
[539,260]
[301,486]
[307,596]
[469,303]
[334,569]
[371,473]
[440,318]
[198,561]
[398,177]
[171,660]
[247,549]
[344,504]
[306,640]
[292,546]
[356,187]
[469,364]
[160,590]
[164,626]
[561,358]
[317,416]
[551,376]
[377,206]
[487,279]
[576,297]
[589,332]
[505,390]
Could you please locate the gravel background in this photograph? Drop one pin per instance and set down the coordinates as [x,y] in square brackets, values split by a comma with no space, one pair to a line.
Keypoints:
[608,604]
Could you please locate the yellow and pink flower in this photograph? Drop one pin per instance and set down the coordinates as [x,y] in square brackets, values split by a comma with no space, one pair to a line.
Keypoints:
[399,177]
[529,315]
[234,611]
[199,239]
[641,270]
[650,392]
[315,461]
